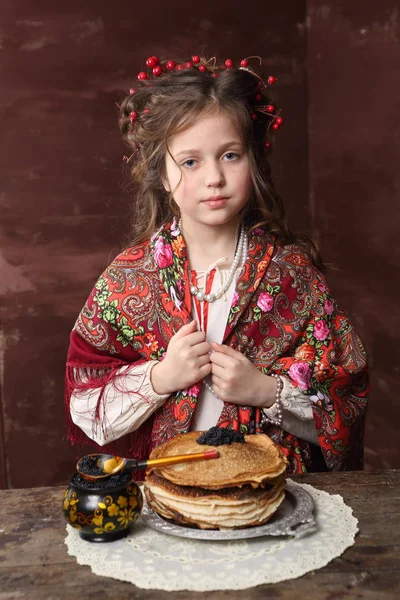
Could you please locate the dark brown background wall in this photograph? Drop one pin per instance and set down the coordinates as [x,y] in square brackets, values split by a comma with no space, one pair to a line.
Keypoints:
[64,214]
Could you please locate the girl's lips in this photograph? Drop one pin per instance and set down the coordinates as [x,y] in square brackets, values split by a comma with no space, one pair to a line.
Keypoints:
[216,202]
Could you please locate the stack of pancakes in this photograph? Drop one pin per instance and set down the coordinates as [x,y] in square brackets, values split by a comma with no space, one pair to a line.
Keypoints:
[241,488]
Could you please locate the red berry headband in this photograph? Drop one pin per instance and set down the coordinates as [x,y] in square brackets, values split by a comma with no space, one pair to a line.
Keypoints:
[155,69]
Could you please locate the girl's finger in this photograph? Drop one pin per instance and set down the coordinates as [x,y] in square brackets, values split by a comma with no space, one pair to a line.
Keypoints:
[222,349]
[186,329]
[218,371]
[195,337]
[205,370]
[203,360]
[202,348]
[222,360]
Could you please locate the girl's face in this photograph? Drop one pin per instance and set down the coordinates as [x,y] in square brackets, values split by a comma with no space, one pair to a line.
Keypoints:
[212,169]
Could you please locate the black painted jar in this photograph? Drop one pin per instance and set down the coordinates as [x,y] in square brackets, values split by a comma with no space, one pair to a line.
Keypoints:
[105,511]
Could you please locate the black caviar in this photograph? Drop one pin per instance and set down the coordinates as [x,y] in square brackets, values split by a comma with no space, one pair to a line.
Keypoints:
[87,465]
[219,436]
[106,483]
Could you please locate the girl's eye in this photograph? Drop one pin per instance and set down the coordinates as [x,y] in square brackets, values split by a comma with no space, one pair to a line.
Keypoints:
[231,156]
[190,163]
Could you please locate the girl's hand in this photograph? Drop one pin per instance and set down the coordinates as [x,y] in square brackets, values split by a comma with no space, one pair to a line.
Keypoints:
[235,379]
[187,361]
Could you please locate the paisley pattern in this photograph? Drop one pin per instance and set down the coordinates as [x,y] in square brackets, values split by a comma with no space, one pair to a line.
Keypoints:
[283,318]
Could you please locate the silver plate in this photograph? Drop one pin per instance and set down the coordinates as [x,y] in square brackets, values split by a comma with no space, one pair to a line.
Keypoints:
[293,517]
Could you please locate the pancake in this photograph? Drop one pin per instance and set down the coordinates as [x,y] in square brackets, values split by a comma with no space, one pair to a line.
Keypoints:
[229,508]
[242,488]
[256,461]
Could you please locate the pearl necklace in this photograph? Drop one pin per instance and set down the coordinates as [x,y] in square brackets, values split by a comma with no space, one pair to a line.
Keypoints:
[241,251]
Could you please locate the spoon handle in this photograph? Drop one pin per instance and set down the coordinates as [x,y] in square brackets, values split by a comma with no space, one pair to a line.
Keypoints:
[130,464]
[173,460]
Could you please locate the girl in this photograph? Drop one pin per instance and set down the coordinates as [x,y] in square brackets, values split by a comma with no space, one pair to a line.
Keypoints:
[217,313]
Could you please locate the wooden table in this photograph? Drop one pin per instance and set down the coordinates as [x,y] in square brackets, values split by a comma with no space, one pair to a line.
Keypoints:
[34,562]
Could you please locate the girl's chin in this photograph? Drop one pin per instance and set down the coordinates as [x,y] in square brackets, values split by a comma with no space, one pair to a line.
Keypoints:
[211,218]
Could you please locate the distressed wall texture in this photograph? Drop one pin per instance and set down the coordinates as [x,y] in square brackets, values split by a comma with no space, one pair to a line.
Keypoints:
[64,211]
[353,72]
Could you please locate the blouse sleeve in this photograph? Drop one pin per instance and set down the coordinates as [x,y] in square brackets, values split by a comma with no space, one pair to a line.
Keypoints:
[127,402]
[297,413]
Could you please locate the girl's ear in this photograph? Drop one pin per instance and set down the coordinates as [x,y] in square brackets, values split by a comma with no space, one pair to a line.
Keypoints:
[164,180]
[166,185]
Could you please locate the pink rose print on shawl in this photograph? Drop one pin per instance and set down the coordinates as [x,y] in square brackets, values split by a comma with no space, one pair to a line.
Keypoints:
[321,287]
[328,306]
[162,254]
[300,372]
[321,330]
[235,298]
[265,302]
[194,390]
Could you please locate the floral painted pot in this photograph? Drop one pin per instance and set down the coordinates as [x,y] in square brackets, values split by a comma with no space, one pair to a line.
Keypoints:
[102,514]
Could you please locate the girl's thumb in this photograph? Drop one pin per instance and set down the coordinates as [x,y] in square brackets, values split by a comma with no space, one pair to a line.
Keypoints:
[186,329]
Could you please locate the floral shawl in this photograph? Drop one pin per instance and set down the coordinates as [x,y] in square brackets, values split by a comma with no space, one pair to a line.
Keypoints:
[283,318]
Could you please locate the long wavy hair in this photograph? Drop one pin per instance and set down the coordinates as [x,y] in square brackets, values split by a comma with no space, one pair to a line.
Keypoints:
[164,105]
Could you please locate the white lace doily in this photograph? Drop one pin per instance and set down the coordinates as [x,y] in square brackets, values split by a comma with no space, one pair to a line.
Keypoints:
[154,560]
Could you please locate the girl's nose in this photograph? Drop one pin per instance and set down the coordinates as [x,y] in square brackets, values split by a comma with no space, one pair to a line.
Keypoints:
[214,176]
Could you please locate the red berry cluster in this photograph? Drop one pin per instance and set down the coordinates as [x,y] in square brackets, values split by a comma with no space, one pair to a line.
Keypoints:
[153,63]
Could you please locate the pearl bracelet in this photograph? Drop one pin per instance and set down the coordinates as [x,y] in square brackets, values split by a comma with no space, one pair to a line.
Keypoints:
[278,401]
